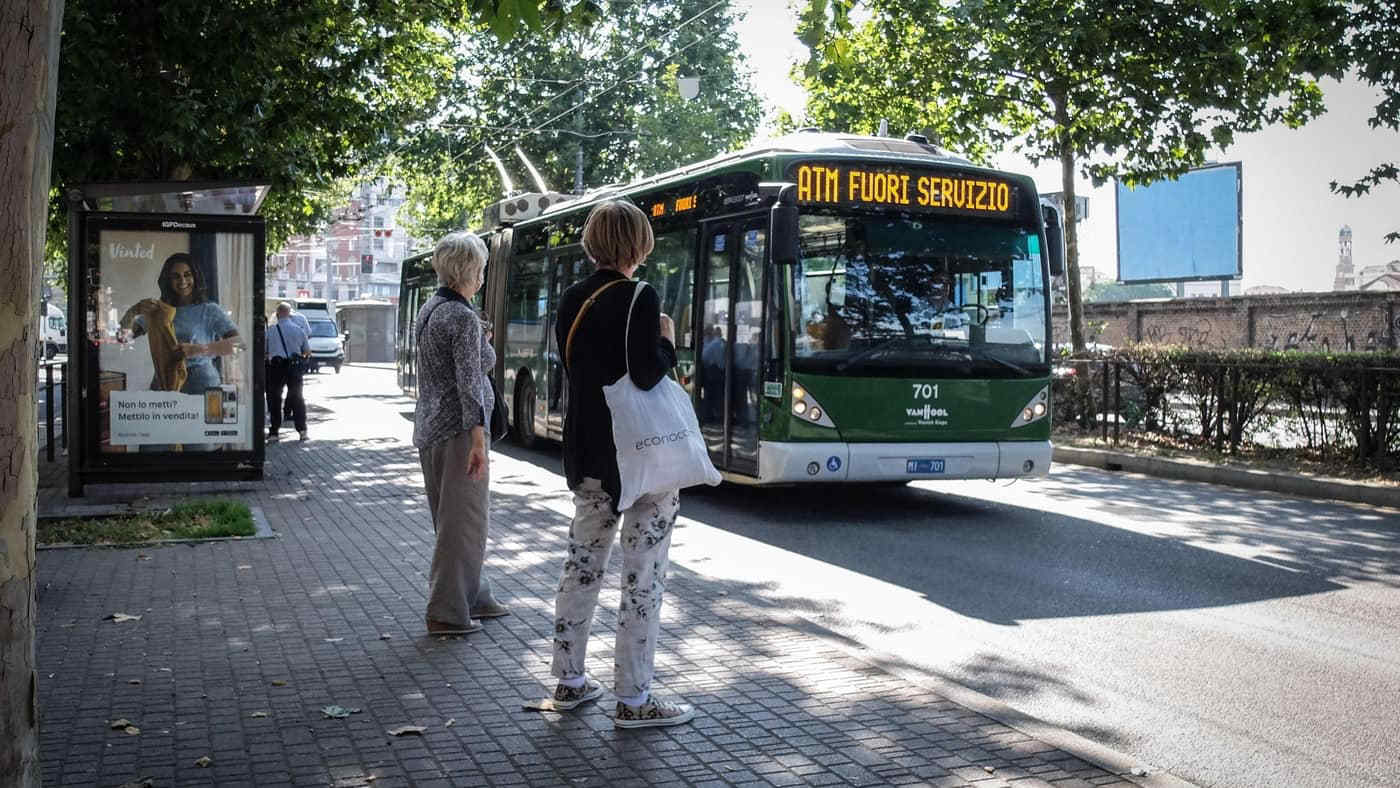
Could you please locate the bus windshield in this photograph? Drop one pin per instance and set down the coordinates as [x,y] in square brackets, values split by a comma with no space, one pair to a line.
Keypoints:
[918,295]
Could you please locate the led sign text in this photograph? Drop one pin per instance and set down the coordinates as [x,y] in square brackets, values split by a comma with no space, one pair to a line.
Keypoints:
[678,205]
[856,185]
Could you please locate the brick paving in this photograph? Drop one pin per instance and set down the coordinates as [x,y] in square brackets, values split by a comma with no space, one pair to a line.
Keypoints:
[241,644]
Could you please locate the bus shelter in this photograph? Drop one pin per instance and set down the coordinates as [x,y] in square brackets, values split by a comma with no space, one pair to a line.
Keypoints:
[166,337]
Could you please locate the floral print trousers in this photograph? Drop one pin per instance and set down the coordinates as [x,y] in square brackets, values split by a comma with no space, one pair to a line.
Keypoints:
[646,538]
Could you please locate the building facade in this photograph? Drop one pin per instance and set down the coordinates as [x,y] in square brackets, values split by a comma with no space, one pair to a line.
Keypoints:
[357,256]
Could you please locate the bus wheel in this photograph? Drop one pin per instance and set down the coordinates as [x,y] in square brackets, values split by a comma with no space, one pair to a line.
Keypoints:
[525,415]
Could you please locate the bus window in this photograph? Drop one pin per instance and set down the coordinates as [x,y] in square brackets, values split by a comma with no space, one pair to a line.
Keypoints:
[526,301]
[671,270]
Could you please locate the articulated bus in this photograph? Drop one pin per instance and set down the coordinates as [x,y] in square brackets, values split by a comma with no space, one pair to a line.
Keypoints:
[848,309]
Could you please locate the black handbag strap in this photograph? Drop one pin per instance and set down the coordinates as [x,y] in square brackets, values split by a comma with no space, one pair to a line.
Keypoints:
[286,353]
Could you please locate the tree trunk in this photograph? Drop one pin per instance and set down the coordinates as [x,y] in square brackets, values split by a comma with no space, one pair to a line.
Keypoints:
[1076,299]
[28,82]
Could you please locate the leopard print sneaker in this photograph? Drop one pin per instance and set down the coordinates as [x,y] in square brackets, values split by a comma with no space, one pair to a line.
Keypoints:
[566,698]
[653,714]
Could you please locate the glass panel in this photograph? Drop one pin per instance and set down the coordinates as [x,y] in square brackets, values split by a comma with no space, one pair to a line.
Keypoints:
[744,373]
[670,269]
[918,294]
[568,269]
[714,352]
[525,308]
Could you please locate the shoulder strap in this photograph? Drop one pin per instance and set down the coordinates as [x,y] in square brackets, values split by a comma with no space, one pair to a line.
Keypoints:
[569,343]
[627,332]
[287,354]
[418,340]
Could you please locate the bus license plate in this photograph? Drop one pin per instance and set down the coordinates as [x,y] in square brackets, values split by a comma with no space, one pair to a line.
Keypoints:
[925,466]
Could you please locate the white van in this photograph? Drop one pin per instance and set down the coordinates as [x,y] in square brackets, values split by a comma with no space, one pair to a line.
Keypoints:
[325,342]
[53,331]
[314,308]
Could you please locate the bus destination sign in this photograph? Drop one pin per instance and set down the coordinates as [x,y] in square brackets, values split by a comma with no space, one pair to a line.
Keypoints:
[875,186]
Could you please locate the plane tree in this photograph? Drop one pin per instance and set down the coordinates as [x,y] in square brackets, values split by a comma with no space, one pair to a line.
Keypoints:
[1126,89]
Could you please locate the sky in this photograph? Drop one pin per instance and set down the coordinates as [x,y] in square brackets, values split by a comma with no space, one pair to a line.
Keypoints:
[1290,219]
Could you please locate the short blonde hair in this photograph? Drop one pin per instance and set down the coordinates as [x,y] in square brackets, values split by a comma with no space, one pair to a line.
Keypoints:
[617,234]
[459,258]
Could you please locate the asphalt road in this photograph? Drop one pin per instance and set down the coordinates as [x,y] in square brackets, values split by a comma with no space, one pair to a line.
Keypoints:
[1229,637]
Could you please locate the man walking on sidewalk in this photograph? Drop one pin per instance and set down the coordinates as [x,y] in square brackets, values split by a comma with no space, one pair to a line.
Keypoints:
[287,346]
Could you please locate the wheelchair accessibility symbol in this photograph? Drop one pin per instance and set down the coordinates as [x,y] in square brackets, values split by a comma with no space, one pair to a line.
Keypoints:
[833,463]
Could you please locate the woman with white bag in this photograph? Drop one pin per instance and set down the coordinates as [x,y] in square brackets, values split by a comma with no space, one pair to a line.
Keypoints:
[614,336]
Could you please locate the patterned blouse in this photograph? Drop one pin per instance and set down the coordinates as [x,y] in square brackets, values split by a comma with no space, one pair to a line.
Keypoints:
[454,358]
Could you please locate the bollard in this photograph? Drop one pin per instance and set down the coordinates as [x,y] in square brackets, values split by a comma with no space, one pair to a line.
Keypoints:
[63,436]
[48,414]
[1104,402]
[1117,399]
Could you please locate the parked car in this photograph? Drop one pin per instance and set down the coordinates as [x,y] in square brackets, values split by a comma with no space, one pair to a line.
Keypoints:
[326,345]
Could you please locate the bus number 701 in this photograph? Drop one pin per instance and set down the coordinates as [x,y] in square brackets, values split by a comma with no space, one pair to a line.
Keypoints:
[925,391]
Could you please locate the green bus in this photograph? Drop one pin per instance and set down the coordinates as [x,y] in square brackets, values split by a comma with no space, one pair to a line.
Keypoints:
[847,308]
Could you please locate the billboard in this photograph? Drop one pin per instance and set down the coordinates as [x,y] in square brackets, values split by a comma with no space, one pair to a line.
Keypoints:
[172,366]
[1187,229]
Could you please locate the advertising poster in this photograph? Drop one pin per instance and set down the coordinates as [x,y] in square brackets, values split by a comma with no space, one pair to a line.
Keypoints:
[173,325]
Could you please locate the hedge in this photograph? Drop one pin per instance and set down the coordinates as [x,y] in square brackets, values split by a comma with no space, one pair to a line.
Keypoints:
[1335,404]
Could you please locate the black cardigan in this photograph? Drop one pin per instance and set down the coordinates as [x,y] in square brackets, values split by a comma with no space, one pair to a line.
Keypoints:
[598,361]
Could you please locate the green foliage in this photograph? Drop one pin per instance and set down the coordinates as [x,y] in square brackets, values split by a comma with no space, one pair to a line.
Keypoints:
[609,91]
[1114,291]
[1375,31]
[1146,89]
[1126,89]
[300,95]
[1333,402]
[186,520]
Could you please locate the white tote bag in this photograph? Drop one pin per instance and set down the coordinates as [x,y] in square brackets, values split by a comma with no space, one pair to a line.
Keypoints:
[659,446]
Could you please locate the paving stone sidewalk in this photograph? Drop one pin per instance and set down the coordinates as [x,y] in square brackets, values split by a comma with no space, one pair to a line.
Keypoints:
[241,644]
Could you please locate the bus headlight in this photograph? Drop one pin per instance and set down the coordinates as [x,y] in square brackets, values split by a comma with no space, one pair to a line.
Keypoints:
[806,408]
[1035,410]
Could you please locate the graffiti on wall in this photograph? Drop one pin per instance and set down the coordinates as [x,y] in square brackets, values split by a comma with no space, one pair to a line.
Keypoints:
[1316,331]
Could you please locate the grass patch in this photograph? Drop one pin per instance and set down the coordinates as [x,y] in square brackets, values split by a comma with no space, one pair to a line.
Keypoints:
[189,520]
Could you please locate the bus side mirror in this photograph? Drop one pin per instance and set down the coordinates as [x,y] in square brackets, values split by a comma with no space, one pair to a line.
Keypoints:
[1054,238]
[783,234]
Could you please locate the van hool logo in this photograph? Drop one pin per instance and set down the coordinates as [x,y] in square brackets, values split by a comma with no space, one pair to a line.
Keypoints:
[926,413]
[661,440]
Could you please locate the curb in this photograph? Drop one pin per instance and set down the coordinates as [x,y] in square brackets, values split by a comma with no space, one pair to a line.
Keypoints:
[1190,470]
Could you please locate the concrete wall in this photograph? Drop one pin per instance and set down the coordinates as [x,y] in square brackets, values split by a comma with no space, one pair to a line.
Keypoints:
[1292,321]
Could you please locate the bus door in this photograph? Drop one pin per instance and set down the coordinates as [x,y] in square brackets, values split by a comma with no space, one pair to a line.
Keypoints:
[729,362]
[569,268]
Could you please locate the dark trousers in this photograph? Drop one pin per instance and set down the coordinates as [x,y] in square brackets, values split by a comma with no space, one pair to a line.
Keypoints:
[279,376]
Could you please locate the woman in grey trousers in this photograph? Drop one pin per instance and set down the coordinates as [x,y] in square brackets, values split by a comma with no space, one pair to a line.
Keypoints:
[454,357]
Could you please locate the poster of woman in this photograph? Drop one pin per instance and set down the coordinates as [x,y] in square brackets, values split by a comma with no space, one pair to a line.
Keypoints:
[172,318]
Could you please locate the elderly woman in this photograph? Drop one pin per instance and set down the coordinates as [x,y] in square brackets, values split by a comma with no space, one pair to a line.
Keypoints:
[449,428]
[617,237]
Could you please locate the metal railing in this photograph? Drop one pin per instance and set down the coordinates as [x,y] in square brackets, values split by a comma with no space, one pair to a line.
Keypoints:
[52,412]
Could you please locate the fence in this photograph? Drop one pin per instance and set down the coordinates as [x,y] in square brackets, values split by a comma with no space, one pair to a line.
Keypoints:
[1341,406]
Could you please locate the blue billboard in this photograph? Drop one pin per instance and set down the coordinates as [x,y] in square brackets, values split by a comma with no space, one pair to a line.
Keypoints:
[1187,229]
